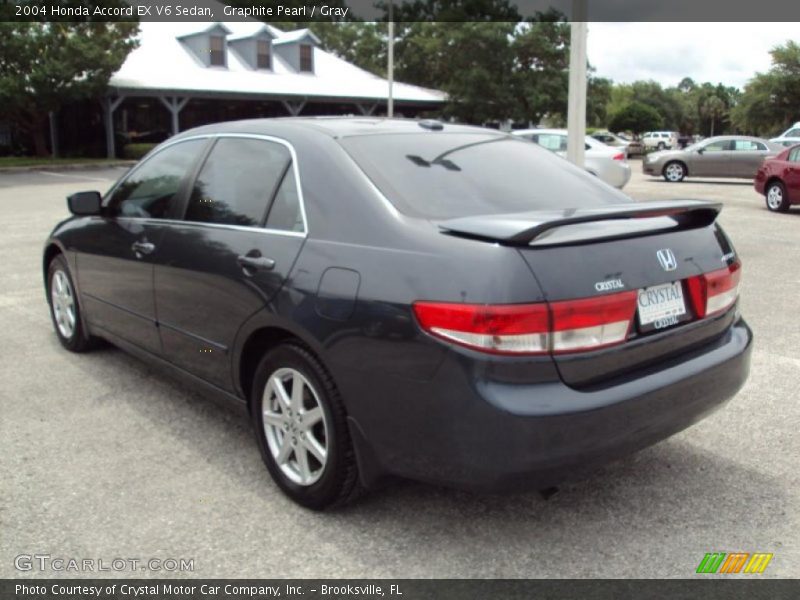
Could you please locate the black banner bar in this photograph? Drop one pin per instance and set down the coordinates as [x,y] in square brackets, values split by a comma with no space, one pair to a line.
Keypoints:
[711,587]
[404,10]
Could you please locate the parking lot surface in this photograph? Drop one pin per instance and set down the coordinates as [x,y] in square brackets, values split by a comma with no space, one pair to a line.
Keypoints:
[103,458]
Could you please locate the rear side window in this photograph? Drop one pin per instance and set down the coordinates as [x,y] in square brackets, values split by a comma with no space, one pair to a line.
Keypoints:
[794,155]
[793,133]
[551,141]
[237,181]
[441,175]
[748,146]
[149,191]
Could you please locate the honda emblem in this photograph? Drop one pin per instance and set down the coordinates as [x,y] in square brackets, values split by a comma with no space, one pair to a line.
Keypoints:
[667,259]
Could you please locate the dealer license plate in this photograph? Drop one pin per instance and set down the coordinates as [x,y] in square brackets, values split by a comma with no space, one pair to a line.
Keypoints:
[661,306]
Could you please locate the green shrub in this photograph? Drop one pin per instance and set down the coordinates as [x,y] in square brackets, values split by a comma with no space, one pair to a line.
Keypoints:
[136,151]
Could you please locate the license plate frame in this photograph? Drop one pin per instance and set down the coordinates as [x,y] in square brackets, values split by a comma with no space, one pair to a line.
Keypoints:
[668,311]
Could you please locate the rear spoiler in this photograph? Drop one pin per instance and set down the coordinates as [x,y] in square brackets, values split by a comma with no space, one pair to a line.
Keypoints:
[525,227]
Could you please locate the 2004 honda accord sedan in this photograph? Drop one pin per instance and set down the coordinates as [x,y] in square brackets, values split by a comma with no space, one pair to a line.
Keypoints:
[410,298]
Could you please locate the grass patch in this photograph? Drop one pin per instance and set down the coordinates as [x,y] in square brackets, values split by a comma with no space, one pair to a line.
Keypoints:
[32,161]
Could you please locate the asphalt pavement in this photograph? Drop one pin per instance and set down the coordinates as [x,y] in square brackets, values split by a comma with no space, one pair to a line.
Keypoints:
[103,458]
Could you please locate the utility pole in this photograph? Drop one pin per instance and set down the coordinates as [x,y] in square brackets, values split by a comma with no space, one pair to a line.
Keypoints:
[390,68]
[576,104]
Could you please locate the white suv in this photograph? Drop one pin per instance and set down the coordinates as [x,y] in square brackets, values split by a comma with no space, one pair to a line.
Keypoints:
[660,140]
[790,137]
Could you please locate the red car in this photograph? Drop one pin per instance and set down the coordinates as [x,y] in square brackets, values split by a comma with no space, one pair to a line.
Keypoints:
[778,179]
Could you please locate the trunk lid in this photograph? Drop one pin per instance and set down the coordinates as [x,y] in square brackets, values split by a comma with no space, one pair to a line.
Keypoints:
[586,253]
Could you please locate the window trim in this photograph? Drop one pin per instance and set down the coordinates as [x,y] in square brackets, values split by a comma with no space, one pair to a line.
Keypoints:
[194,171]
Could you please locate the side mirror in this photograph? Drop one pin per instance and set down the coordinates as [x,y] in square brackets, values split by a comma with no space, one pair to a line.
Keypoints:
[84,203]
[701,150]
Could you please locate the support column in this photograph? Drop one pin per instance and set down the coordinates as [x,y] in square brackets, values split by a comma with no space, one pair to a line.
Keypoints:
[293,108]
[367,110]
[576,102]
[109,106]
[53,134]
[174,105]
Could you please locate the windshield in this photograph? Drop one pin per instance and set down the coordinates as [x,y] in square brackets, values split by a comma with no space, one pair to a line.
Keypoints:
[448,175]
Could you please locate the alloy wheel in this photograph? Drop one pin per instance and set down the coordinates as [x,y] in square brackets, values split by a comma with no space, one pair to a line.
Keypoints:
[775,197]
[295,426]
[63,303]
[674,172]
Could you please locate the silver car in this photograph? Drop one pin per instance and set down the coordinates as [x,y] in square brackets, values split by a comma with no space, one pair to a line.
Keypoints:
[607,163]
[722,156]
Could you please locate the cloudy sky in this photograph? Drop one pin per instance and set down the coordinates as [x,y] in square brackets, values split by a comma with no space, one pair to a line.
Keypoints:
[729,53]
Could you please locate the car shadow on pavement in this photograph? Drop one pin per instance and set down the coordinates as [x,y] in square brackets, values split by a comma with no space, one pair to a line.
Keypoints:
[740,183]
[675,490]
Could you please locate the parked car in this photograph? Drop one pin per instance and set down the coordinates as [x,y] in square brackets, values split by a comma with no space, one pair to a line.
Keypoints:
[635,146]
[723,156]
[440,302]
[778,180]
[607,163]
[790,137]
[660,140]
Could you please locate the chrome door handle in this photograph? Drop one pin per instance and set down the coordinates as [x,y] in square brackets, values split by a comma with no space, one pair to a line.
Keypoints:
[143,248]
[258,263]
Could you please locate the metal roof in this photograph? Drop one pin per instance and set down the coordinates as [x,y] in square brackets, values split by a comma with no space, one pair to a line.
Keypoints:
[163,64]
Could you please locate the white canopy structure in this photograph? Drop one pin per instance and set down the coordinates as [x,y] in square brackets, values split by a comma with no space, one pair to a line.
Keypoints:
[178,63]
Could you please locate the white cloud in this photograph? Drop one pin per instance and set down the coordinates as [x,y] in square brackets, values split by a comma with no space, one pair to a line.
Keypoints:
[728,53]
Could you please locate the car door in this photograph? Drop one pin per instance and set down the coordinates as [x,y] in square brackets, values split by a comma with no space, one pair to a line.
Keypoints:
[746,158]
[791,175]
[711,160]
[243,228]
[117,252]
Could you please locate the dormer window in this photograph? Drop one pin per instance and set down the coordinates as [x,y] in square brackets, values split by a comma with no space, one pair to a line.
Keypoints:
[217,51]
[306,58]
[263,55]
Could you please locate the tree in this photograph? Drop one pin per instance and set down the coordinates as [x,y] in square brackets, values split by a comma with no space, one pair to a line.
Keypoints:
[636,117]
[713,108]
[46,65]
[770,100]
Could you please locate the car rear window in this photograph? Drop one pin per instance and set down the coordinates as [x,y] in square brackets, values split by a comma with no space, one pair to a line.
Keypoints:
[448,175]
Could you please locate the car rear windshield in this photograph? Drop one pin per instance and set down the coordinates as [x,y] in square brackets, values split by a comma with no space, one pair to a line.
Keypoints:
[447,175]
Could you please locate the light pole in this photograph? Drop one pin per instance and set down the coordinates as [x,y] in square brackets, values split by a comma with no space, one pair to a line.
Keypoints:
[576,103]
[390,67]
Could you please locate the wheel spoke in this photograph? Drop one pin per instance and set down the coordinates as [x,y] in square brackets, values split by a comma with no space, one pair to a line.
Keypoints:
[280,393]
[274,419]
[315,448]
[284,452]
[301,454]
[297,393]
[312,417]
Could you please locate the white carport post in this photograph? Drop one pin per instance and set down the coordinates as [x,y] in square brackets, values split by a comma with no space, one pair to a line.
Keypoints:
[174,106]
[294,108]
[109,106]
[390,65]
[576,103]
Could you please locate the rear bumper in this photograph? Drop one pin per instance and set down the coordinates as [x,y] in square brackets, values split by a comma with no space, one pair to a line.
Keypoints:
[470,432]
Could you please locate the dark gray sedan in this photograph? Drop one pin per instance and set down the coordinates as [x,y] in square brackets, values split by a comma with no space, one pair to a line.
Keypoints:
[723,156]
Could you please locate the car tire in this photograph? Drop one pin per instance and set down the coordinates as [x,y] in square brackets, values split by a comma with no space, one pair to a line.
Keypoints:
[303,438]
[674,171]
[776,197]
[65,310]
[661,146]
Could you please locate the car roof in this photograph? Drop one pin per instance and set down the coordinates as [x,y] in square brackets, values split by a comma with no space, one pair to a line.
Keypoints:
[337,127]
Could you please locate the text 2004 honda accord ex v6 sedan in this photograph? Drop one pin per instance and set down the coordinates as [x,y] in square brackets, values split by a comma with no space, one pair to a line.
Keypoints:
[438,302]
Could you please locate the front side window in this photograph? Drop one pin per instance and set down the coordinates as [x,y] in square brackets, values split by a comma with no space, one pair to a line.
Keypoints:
[793,133]
[794,155]
[718,146]
[447,175]
[149,191]
[237,181]
[306,58]
[217,51]
[263,58]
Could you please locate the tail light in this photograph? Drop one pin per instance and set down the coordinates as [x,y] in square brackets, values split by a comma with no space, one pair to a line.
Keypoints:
[557,327]
[620,156]
[716,291]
